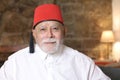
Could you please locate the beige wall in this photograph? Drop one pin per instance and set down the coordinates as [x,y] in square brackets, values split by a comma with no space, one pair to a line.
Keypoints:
[85,20]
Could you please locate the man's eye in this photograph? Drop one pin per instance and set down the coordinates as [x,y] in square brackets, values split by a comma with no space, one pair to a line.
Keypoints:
[56,28]
[42,29]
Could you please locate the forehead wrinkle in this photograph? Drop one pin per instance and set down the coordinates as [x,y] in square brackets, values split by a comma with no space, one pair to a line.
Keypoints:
[49,23]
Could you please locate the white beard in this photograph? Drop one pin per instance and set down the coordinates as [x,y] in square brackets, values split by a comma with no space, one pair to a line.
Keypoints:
[53,48]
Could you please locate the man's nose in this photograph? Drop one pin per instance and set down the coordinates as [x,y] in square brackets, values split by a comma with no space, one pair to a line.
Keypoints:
[50,34]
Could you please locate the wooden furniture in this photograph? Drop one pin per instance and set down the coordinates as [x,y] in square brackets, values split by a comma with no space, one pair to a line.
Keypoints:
[103,63]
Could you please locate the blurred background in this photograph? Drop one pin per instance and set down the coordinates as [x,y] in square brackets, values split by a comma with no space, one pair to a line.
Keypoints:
[86,21]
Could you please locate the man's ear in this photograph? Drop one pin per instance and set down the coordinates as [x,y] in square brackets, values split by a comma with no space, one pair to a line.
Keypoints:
[34,33]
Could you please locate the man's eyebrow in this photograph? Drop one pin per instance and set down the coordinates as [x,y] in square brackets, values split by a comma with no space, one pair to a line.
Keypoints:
[41,26]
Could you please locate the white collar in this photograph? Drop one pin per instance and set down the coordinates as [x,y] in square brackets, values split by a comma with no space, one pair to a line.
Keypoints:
[44,55]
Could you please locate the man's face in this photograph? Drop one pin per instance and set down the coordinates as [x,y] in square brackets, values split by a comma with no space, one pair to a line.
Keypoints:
[49,35]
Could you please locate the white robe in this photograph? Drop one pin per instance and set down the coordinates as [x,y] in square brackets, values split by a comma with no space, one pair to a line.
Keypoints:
[68,64]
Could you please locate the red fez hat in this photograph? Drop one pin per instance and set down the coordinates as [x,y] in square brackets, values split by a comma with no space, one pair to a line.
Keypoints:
[47,12]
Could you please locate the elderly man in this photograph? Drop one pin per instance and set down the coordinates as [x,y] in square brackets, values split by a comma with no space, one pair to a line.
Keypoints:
[49,59]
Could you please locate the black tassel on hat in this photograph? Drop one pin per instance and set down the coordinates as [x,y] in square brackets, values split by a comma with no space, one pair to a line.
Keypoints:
[31,44]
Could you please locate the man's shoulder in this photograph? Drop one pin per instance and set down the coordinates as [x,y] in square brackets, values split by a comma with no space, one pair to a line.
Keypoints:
[21,52]
[76,54]
[72,51]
